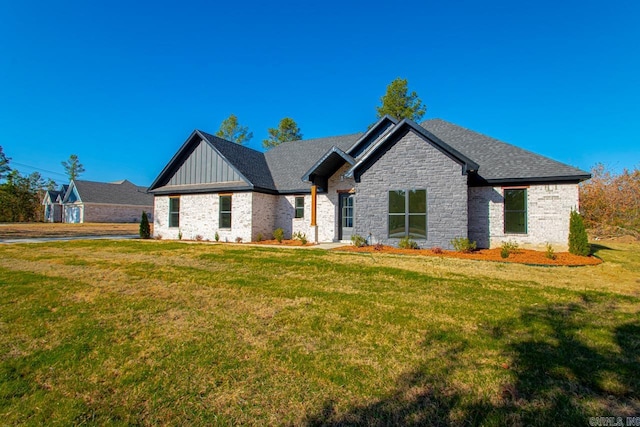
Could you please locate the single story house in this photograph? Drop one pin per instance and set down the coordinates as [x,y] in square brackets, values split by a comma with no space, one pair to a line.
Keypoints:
[52,202]
[433,182]
[90,201]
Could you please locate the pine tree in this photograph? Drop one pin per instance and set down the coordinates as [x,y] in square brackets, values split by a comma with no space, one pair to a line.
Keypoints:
[73,167]
[4,164]
[398,103]
[232,131]
[287,130]
[145,229]
[578,239]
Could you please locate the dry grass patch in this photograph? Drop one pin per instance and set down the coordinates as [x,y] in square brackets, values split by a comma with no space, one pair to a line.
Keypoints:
[34,230]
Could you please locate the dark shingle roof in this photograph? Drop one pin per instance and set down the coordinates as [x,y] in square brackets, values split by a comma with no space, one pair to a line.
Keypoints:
[500,161]
[122,193]
[281,169]
[289,161]
[248,162]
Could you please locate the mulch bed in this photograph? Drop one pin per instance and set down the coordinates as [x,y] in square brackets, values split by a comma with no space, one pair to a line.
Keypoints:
[521,256]
[294,242]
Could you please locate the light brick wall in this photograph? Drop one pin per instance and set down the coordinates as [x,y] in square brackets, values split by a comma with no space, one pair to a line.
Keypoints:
[285,216]
[413,163]
[328,205]
[264,215]
[199,216]
[548,209]
[94,212]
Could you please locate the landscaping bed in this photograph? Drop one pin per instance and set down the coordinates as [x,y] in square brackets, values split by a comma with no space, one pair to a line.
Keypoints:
[521,256]
[285,242]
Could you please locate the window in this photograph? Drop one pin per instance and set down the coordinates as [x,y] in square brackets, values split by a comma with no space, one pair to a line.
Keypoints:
[225,211]
[515,211]
[174,212]
[408,213]
[299,207]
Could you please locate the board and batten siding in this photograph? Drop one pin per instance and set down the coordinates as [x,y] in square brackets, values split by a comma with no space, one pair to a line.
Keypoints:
[204,166]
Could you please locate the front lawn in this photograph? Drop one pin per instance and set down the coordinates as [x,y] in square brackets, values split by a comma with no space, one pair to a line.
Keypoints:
[157,332]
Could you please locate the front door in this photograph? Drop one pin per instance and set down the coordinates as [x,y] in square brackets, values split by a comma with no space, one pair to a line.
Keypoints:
[346,216]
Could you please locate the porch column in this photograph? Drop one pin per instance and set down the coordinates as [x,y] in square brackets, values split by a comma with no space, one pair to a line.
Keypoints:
[314,204]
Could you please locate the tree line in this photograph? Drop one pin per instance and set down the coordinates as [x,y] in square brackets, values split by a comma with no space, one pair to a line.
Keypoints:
[610,202]
[397,102]
[21,195]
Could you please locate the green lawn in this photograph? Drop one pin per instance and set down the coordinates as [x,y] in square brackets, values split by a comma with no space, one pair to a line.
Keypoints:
[144,332]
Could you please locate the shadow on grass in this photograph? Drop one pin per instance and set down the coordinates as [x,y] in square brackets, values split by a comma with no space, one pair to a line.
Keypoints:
[556,377]
[595,248]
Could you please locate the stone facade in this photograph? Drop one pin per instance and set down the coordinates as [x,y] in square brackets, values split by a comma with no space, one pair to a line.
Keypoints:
[548,209]
[413,163]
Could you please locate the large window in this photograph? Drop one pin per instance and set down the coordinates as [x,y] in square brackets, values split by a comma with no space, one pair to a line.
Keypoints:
[225,211]
[408,213]
[174,212]
[515,211]
[300,207]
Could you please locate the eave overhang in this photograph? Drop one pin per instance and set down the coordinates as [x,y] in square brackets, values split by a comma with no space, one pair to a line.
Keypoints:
[328,164]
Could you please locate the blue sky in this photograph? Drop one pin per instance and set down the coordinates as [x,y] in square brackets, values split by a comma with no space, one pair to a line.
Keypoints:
[122,83]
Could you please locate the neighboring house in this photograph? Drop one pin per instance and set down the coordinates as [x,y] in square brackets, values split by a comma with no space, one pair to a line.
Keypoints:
[52,202]
[89,201]
[432,182]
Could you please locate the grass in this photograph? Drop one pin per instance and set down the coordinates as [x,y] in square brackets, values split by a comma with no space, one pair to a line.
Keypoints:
[148,332]
[36,229]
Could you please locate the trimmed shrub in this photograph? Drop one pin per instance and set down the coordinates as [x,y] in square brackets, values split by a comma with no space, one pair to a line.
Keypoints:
[145,228]
[358,241]
[216,237]
[463,244]
[259,237]
[278,234]
[407,243]
[578,239]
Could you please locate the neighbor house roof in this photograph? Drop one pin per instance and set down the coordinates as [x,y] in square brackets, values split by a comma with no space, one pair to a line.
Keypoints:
[284,168]
[51,195]
[118,193]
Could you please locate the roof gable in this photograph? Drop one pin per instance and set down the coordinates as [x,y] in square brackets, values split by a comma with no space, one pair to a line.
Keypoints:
[376,150]
[371,135]
[206,162]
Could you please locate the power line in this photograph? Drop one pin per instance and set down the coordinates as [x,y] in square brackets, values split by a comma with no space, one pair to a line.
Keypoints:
[38,169]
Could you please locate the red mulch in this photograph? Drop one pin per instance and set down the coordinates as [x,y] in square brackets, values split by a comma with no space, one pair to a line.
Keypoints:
[521,256]
[294,242]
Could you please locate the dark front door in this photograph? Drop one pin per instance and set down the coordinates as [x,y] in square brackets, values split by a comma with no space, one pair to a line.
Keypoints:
[346,216]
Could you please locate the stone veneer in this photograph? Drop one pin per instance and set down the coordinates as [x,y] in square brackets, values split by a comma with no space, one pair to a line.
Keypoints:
[548,210]
[413,163]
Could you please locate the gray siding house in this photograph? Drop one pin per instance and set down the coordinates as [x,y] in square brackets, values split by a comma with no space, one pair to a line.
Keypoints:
[90,201]
[433,182]
[52,202]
